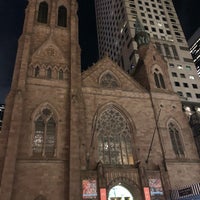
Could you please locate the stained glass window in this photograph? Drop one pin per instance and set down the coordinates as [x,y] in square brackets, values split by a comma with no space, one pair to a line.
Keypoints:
[114,140]
[109,81]
[43,12]
[176,139]
[44,141]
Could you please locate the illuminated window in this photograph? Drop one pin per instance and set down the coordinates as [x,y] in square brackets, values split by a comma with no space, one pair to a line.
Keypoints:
[114,139]
[43,12]
[179,66]
[191,77]
[45,134]
[188,67]
[176,139]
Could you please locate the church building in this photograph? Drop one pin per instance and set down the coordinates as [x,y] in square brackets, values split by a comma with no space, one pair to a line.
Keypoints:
[101,134]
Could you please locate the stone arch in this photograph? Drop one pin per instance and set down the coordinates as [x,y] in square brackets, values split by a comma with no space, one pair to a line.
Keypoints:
[114,118]
[44,131]
[109,80]
[158,77]
[129,184]
[43,12]
[175,135]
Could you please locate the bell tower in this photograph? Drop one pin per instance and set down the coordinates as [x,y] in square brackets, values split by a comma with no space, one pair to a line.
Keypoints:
[151,70]
[41,155]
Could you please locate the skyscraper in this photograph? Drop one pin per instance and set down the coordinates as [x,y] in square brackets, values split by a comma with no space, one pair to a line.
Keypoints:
[116,32]
[194,45]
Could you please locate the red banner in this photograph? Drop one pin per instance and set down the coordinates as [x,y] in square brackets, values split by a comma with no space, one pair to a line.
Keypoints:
[103,194]
[147,193]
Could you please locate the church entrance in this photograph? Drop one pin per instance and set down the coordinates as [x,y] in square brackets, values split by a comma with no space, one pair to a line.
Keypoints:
[119,192]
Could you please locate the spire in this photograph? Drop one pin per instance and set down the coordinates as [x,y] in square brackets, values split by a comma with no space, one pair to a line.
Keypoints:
[138,26]
[141,36]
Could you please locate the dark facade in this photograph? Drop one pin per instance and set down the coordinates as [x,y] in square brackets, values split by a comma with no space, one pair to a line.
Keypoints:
[2,108]
[100,134]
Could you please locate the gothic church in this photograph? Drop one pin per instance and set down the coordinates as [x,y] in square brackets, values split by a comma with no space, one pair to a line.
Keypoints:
[101,134]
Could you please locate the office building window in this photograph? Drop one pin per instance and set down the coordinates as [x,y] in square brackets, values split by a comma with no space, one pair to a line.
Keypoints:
[179,66]
[195,86]
[188,94]
[177,84]
[174,74]
[191,77]
[182,75]
[188,67]
[197,96]
[185,85]
[180,93]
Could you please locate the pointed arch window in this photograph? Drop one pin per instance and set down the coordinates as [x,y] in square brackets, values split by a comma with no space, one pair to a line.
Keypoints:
[176,139]
[44,139]
[114,139]
[49,73]
[109,81]
[37,72]
[43,12]
[158,78]
[62,16]
[60,74]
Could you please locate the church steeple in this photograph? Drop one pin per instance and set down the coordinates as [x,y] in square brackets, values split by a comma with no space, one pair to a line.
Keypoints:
[151,70]
[141,36]
[40,113]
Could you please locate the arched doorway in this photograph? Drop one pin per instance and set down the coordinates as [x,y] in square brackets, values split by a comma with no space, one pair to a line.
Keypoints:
[119,192]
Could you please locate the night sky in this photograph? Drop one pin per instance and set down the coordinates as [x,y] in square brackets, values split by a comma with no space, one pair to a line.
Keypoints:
[12,17]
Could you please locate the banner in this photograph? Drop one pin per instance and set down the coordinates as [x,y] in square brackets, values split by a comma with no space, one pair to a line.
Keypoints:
[155,186]
[89,187]
[147,193]
[103,194]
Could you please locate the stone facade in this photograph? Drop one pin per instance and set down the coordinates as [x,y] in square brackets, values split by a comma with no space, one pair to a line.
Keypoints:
[48,85]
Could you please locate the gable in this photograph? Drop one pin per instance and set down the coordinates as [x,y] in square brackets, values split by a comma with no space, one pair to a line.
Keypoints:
[106,74]
[48,52]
